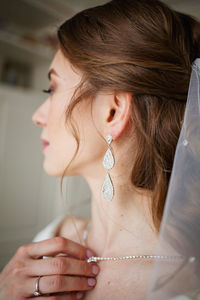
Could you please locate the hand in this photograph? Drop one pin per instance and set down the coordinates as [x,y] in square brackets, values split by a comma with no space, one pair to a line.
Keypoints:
[61,276]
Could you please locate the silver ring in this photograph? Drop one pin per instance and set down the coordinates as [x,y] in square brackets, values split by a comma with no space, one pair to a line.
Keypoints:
[37,292]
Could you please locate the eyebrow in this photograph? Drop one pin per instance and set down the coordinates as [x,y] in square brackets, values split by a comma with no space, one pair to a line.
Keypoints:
[52,71]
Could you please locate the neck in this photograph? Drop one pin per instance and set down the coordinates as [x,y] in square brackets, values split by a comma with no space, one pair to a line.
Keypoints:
[122,226]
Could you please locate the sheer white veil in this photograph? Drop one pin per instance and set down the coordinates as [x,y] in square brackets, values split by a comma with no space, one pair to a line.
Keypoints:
[180,228]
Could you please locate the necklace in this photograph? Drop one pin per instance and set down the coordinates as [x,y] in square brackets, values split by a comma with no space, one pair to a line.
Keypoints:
[97,258]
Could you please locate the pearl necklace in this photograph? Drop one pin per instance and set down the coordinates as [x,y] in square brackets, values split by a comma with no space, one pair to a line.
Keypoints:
[97,258]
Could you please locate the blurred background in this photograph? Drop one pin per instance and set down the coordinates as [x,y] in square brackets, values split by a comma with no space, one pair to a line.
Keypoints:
[29,198]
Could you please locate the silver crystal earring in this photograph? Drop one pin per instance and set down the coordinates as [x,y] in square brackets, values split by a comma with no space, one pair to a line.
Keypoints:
[108,163]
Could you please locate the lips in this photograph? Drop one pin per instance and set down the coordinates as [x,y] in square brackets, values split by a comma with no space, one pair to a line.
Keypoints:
[45,142]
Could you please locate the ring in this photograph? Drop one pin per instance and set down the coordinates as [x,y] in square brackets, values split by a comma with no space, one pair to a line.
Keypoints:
[37,292]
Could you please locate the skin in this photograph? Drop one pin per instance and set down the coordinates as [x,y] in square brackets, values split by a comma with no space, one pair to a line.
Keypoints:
[119,222]
[18,278]
[116,226]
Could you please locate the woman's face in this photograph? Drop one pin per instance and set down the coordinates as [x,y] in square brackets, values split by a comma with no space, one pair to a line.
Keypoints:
[51,117]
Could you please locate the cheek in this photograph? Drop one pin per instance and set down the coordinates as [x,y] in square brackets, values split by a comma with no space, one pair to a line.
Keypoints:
[54,121]
[91,145]
[56,118]
[62,143]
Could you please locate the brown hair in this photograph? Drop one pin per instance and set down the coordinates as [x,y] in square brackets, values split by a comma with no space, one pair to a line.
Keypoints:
[146,48]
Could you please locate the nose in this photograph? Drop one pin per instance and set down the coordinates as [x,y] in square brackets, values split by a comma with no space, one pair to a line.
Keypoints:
[40,115]
[38,119]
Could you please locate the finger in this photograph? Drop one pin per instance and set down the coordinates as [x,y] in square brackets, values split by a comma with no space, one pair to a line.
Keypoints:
[52,247]
[70,296]
[59,283]
[62,266]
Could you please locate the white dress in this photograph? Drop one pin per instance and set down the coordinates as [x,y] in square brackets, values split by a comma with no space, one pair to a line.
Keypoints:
[50,230]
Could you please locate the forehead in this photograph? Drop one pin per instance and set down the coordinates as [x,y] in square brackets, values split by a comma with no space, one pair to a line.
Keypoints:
[59,62]
[64,68]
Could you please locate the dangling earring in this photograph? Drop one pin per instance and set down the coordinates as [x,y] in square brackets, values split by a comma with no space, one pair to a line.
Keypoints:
[108,163]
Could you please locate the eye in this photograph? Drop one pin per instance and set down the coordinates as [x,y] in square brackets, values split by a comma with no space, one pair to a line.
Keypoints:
[49,91]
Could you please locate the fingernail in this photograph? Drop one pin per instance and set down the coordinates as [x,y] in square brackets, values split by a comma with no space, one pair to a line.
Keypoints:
[89,253]
[79,295]
[91,281]
[95,269]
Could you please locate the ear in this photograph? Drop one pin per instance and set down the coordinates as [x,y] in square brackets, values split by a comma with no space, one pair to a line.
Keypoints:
[119,112]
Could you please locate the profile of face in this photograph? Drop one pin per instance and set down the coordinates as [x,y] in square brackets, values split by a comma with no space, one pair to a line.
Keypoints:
[51,117]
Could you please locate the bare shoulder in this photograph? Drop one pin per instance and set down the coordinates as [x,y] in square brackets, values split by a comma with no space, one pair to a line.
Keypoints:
[71,227]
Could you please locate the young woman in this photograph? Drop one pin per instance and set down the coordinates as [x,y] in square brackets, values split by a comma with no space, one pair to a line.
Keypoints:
[118,86]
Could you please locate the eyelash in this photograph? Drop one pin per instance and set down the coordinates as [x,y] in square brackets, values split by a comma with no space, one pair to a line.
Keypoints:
[47,91]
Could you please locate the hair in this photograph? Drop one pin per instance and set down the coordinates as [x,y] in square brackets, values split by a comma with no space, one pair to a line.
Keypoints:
[146,48]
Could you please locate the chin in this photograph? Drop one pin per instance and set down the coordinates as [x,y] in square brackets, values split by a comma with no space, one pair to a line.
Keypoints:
[51,170]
